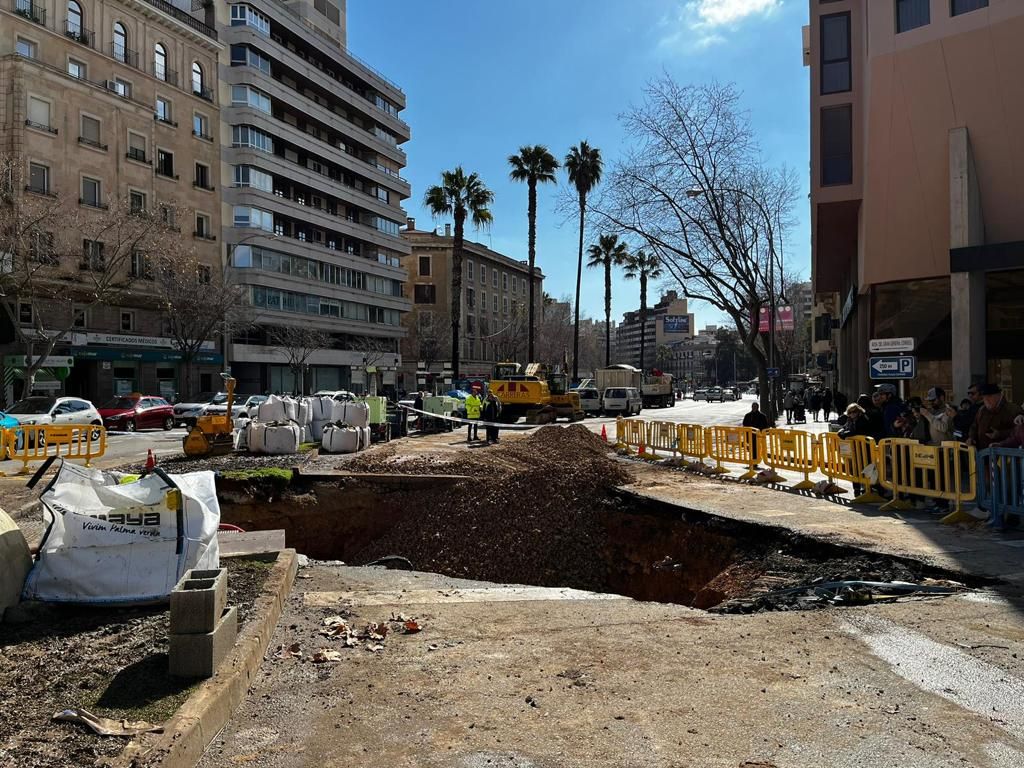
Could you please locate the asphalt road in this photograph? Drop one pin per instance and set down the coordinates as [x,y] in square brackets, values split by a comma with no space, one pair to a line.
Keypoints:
[124,447]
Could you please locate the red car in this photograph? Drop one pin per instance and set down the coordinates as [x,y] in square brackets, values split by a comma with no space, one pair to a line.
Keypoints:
[132,412]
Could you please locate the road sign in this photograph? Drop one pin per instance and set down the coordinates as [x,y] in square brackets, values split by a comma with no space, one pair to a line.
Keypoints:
[773,373]
[895,367]
[902,344]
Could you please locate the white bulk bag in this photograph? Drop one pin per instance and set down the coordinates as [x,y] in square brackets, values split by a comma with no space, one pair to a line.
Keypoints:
[242,437]
[340,439]
[291,409]
[337,410]
[320,408]
[306,435]
[365,437]
[357,414]
[316,430]
[305,413]
[272,409]
[281,439]
[256,437]
[123,544]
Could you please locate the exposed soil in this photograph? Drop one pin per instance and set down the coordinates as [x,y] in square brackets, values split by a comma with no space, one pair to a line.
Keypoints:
[111,661]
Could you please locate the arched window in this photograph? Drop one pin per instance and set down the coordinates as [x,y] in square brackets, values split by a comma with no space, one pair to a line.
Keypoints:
[120,44]
[197,77]
[160,61]
[74,26]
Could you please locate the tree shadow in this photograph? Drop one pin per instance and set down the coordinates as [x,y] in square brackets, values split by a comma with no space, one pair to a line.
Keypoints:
[146,690]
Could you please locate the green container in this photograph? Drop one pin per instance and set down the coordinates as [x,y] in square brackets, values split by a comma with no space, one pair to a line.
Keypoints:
[378,409]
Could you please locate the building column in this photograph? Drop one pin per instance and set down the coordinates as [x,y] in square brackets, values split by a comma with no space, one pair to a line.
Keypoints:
[967,289]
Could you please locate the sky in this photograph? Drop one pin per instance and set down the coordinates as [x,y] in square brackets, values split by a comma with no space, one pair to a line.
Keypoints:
[485,77]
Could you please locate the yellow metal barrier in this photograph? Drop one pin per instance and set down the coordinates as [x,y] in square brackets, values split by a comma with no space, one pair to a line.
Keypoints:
[847,460]
[735,445]
[631,433]
[691,440]
[935,471]
[37,442]
[663,436]
[792,450]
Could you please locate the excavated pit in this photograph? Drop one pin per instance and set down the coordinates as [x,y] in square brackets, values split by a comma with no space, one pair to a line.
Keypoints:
[549,511]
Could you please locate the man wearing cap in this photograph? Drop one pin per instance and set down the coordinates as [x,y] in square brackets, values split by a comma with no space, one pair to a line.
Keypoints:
[891,407]
[939,415]
[994,421]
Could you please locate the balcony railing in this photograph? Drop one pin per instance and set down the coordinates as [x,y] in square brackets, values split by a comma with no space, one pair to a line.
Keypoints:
[203,186]
[138,156]
[91,203]
[31,11]
[92,143]
[41,127]
[40,190]
[184,18]
[75,31]
[124,55]
[202,136]
[204,236]
[165,74]
[202,93]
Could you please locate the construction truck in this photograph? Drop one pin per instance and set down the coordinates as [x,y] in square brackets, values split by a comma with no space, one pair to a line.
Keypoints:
[657,390]
[617,376]
[541,395]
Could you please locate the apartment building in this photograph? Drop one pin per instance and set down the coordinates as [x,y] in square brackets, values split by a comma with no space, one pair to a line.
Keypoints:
[105,101]
[916,160]
[667,322]
[313,190]
[495,302]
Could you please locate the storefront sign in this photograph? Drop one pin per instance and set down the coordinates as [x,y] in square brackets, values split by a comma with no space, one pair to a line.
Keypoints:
[143,355]
[121,340]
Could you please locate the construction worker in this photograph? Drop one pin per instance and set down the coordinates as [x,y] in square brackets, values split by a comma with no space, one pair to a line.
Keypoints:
[473,408]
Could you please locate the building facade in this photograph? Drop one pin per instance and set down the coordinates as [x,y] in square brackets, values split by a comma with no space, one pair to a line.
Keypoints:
[667,323]
[917,219]
[313,190]
[99,100]
[495,301]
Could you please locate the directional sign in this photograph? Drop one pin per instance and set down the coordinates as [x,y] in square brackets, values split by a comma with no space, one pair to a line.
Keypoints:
[902,344]
[897,367]
[773,373]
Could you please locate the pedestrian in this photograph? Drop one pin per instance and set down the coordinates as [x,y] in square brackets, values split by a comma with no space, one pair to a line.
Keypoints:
[473,408]
[417,405]
[491,412]
[995,419]
[814,403]
[963,419]
[939,415]
[826,403]
[787,405]
[839,402]
[892,408]
[754,418]
[918,427]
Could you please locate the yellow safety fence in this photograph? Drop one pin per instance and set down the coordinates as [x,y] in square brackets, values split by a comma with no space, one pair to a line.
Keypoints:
[37,442]
[663,436]
[792,450]
[631,433]
[946,471]
[692,441]
[849,459]
[735,445]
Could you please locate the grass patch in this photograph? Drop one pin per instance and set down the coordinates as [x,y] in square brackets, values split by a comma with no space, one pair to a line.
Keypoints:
[308,447]
[277,477]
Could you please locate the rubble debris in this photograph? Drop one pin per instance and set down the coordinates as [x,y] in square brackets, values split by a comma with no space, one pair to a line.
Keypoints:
[104,726]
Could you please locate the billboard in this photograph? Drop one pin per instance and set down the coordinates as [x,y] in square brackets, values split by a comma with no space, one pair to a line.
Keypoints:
[676,323]
[784,319]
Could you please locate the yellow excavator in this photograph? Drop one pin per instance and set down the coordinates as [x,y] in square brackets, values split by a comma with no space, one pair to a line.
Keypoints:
[540,394]
[213,435]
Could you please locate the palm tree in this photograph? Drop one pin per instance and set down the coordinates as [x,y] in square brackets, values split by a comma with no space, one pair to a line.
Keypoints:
[534,165]
[645,267]
[583,164]
[608,252]
[459,195]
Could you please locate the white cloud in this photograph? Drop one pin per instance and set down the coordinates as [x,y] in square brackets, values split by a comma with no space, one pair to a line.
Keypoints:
[698,23]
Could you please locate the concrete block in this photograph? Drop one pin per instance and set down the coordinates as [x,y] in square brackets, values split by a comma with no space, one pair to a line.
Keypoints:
[198,601]
[199,655]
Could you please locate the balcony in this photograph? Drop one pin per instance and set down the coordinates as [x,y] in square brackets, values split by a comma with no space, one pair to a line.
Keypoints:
[40,190]
[184,18]
[165,75]
[202,136]
[204,236]
[165,121]
[201,185]
[41,127]
[75,31]
[124,55]
[30,10]
[138,156]
[93,203]
[92,143]
[203,93]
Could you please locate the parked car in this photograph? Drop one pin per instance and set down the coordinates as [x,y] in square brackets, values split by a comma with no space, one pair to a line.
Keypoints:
[133,412]
[188,410]
[590,399]
[700,394]
[728,393]
[625,400]
[715,394]
[7,422]
[40,409]
[243,406]
[340,395]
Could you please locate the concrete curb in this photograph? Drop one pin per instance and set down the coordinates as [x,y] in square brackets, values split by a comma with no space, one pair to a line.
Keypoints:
[189,732]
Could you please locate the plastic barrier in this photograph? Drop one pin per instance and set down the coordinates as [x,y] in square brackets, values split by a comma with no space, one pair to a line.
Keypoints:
[792,450]
[847,460]
[692,441]
[663,436]
[735,445]
[631,433]
[36,442]
[935,471]
[1000,488]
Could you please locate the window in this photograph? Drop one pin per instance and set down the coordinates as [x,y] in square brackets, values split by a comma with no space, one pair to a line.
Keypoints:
[203,177]
[200,125]
[25,48]
[245,136]
[77,69]
[198,84]
[249,96]
[92,192]
[494,302]
[40,247]
[911,14]
[383,195]
[483,275]
[160,62]
[119,48]
[242,55]
[470,324]
[504,304]
[242,15]
[470,298]
[121,87]
[137,147]
[39,178]
[163,110]
[141,267]
[39,113]
[469,269]
[79,316]
[168,216]
[203,226]
[24,313]
[244,216]
[247,176]
[127,320]
[494,277]
[837,145]
[483,300]
[835,53]
[136,201]
[91,132]
[524,285]
[425,294]
[504,281]
[958,7]
[92,255]
[424,266]
[165,163]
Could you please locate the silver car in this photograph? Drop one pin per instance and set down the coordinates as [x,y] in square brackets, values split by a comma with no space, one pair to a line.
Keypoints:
[56,410]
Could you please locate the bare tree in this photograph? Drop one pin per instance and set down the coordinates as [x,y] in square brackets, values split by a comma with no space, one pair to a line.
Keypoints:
[555,332]
[508,339]
[66,256]
[695,190]
[298,343]
[374,352]
[427,340]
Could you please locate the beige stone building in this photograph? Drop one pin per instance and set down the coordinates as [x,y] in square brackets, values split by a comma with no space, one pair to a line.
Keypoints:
[916,161]
[495,296]
[106,101]
[668,322]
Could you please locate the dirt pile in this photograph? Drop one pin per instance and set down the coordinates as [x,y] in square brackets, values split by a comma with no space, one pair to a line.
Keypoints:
[531,514]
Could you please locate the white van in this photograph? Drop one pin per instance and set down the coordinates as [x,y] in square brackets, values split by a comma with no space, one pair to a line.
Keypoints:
[625,400]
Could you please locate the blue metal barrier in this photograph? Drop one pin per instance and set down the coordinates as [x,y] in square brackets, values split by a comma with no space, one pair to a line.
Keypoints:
[1001,483]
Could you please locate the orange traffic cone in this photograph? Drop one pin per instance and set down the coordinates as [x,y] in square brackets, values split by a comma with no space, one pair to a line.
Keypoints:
[150,460]
[604,433]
